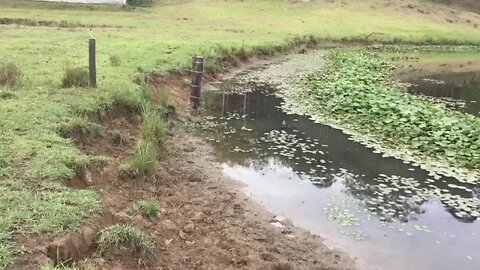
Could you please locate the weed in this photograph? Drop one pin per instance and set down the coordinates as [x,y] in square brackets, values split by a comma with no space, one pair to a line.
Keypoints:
[126,237]
[148,208]
[116,136]
[142,163]
[211,66]
[133,98]
[75,77]
[153,126]
[164,97]
[96,130]
[141,77]
[115,60]
[242,53]
[6,247]
[75,126]
[10,75]
[7,95]
[96,163]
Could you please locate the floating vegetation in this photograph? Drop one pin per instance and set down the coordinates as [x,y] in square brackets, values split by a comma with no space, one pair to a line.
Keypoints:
[423,48]
[344,215]
[208,123]
[353,93]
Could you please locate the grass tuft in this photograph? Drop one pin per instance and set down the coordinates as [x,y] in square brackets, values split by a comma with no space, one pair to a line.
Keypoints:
[10,75]
[97,163]
[148,208]
[115,60]
[153,126]
[95,130]
[75,77]
[129,238]
[116,136]
[142,163]
[164,98]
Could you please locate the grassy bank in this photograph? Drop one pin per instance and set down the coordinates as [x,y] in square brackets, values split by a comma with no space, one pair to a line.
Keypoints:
[38,113]
[354,93]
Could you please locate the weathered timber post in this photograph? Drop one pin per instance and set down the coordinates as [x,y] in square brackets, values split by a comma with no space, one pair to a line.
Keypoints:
[92,68]
[195,92]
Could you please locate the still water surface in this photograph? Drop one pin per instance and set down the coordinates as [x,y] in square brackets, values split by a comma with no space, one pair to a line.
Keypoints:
[389,214]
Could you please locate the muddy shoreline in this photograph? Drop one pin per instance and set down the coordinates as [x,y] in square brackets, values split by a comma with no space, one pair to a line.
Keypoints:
[230,230]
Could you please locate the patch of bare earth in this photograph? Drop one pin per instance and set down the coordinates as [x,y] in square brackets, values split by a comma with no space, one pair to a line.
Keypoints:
[471,5]
[433,10]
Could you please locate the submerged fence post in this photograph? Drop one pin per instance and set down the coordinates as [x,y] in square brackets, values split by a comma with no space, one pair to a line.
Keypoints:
[92,68]
[195,92]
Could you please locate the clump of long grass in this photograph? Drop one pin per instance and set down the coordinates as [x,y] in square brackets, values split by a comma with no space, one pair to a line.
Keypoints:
[75,77]
[128,238]
[147,208]
[153,126]
[10,75]
[115,60]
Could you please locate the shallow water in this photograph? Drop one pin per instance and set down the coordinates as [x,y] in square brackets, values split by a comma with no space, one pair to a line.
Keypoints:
[459,90]
[451,78]
[389,214]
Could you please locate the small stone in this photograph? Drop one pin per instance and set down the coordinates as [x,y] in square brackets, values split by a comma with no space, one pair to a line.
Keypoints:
[168,224]
[277,224]
[181,234]
[189,228]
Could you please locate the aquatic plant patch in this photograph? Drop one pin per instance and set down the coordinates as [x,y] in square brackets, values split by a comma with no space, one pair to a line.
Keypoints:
[353,92]
[424,48]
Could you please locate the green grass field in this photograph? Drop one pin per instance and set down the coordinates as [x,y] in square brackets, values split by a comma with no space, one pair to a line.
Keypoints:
[162,38]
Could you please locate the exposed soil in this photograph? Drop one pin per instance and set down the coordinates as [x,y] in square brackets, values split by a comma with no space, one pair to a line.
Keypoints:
[472,5]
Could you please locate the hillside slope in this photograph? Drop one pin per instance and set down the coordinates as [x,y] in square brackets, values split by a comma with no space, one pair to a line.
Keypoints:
[471,5]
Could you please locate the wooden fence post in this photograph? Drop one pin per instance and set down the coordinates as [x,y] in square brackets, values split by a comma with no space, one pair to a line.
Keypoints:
[92,68]
[195,92]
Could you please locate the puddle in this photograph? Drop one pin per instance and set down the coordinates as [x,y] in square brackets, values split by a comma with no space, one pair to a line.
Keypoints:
[389,214]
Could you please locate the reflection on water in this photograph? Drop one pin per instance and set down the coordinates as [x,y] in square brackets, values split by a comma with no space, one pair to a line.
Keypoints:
[458,90]
[339,189]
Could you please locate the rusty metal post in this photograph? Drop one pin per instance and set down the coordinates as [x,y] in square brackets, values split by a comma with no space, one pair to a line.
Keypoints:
[195,92]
